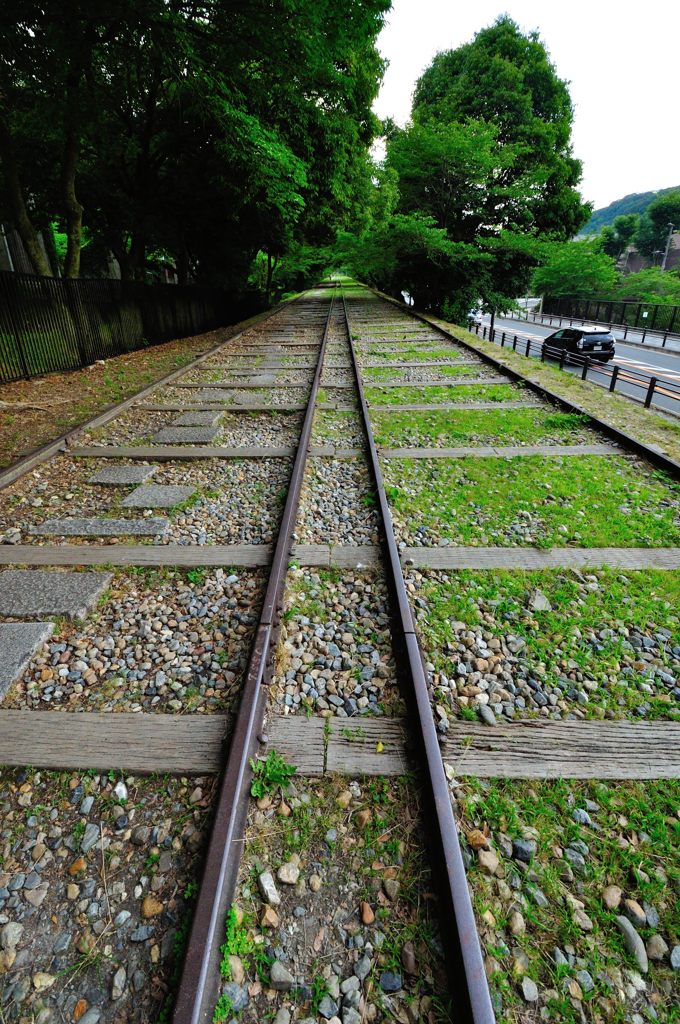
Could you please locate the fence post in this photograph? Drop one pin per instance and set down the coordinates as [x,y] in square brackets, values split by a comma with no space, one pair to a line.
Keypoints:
[663,340]
[484,331]
[586,367]
[528,348]
[612,382]
[503,340]
[562,357]
[74,308]
[650,392]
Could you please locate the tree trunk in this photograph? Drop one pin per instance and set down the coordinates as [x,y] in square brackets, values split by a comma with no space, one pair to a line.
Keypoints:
[17,206]
[182,264]
[72,209]
[271,267]
[137,255]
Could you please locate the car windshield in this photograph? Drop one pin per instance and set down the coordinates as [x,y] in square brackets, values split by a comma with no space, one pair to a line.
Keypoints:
[599,336]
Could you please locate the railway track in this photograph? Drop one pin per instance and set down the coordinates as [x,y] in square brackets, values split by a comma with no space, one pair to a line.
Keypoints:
[366,423]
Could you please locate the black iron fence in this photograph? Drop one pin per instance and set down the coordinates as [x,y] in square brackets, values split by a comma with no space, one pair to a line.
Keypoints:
[631,382]
[630,314]
[50,324]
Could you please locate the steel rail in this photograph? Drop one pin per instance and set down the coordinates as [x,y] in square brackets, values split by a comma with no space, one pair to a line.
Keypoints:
[60,444]
[469,987]
[198,989]
[655,457]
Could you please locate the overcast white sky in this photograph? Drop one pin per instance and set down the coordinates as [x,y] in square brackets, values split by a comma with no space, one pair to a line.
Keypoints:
[622,60]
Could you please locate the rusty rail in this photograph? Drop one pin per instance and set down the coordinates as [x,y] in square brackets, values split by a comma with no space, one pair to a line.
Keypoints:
[469,988]
[198,989]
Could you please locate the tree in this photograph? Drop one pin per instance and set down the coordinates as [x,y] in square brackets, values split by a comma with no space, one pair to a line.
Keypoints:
[616,238]
[203,132]
[654,224]
[506,79]
[651,285]
[483,173]
[575,268]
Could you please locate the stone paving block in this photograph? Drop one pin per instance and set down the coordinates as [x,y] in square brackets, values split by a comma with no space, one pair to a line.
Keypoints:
[197,419]
[214,395]
[185,435]
[117,476]
[158,496]
[102,527]
[29,592]
[18,642]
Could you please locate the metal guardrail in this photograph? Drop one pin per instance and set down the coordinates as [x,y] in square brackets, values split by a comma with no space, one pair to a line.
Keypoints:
[651,318]
[649,386]
[555,320]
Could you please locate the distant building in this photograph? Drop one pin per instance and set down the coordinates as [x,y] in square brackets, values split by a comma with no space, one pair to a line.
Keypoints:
[631,260]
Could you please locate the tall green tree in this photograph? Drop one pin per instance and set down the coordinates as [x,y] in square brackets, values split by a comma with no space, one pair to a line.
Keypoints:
[623,231]
[506,78]
[204,131]
[575,268]
[654,224]
[486,160]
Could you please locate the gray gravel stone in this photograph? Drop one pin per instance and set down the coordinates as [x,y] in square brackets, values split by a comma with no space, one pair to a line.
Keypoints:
[280,977]
[390,981]
[633,942]
[237,994]
[90,838]
[529,990]
[487,715]
[29,592]
[328,1007]
[268,890]
[675,958]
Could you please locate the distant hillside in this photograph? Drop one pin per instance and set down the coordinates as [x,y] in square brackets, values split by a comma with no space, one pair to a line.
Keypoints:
[636,202]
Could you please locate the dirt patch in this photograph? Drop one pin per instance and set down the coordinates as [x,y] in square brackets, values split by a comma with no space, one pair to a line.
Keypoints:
[33,412]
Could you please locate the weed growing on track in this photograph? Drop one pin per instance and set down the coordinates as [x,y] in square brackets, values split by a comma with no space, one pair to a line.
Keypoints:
[408,354]
[481,426]
[432,394]
[378,373]
[363,873]
[584,501]
[585,636]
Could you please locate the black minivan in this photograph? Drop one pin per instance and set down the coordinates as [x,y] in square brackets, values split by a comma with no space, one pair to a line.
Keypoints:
[595,342]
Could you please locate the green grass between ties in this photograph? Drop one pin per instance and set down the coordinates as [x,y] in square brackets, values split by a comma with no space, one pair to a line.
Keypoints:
[447,428]
[582,501]
[378,373]
[584,637]
[634,845]
[410,354]
[433,394]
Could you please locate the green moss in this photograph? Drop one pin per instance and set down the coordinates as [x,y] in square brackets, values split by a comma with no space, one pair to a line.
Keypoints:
[587,500]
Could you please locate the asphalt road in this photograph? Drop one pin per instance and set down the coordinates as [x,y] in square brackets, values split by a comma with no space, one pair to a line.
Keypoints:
[653,361]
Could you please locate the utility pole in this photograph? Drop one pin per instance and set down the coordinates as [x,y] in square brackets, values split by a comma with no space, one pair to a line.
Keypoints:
[668,245]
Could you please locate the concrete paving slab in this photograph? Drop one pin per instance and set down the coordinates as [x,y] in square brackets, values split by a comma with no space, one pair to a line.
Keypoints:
[29,592]
[18,642]
[197,419]
[102,527]
[185,435]
[119,476]
[158,496]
